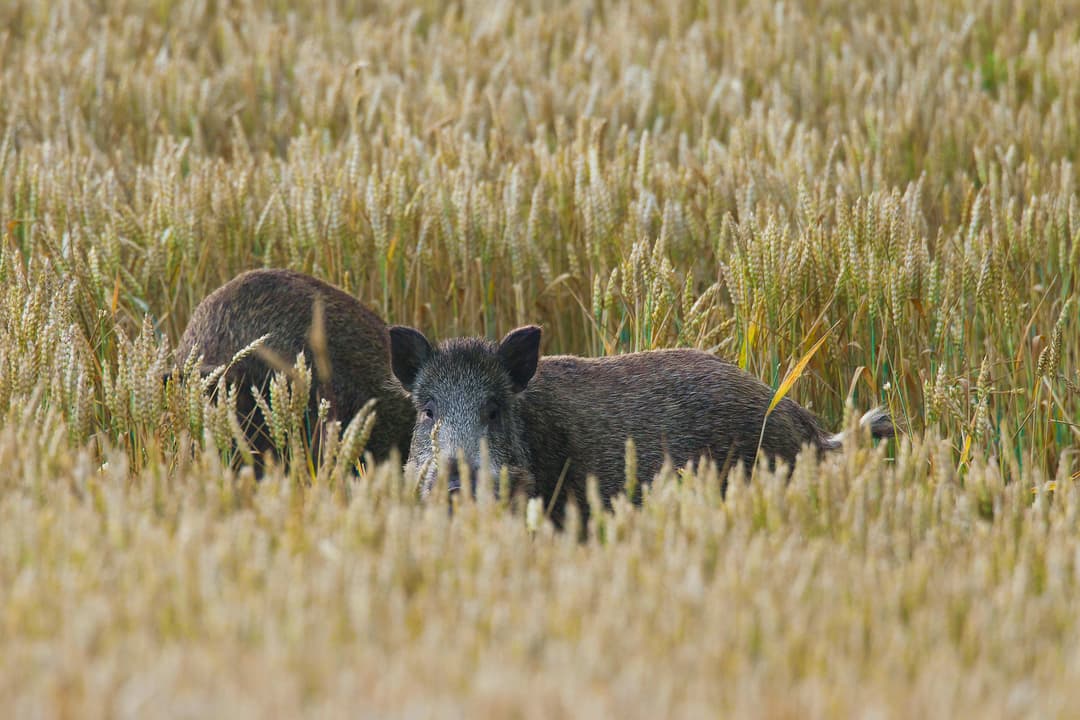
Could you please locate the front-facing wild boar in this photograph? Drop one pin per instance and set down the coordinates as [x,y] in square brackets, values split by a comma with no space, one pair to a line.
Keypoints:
[562,418]
[280,304]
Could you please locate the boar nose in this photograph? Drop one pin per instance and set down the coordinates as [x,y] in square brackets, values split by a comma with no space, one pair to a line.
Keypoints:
[453,478]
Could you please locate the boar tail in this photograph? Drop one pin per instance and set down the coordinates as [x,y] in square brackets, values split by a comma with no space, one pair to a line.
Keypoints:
[879,422]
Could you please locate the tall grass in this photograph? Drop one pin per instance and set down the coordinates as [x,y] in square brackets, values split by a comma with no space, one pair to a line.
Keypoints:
[735,176]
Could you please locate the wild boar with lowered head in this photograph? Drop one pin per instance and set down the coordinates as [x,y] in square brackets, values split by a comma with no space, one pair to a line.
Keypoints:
[279,304]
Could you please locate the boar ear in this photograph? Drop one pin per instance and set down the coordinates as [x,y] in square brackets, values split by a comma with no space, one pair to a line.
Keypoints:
[519,352]
[409,350]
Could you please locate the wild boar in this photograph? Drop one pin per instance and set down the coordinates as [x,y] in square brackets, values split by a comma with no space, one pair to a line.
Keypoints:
[279,304]
[559,419]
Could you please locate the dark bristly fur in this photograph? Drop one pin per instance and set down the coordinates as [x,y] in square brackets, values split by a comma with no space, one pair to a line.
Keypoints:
[574,414]
[280,303]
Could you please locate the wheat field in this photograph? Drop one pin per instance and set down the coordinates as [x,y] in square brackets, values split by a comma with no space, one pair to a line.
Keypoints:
[741,176]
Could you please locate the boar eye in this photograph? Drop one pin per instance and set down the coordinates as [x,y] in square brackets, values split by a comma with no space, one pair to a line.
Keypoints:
[428,411]
[492,412]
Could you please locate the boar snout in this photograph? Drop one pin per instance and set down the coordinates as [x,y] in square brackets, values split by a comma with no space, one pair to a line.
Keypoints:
[454,477]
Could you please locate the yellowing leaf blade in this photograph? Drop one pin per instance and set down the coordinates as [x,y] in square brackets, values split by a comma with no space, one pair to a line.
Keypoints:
[790,379]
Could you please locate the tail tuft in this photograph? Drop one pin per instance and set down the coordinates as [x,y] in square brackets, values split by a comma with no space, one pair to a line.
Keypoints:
[879,422]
